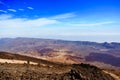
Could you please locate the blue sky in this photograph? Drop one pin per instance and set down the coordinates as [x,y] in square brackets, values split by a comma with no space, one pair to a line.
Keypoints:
[78,20]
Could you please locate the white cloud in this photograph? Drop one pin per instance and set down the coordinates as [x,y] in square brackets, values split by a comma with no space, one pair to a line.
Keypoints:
[22,27]
[16,27]
[21,9]
[10,22]
[90,34]
[64,16]
[2,3]
[93,24]
[12,10]
[3,11]
[30,8]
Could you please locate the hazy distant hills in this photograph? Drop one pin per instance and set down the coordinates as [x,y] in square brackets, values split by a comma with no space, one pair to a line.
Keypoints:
[100,54]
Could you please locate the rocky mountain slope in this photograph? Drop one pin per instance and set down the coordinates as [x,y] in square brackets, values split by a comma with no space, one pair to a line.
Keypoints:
[48,71]
[11,56]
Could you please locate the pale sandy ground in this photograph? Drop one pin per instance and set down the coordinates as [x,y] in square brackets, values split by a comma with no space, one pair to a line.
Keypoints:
[113,75]
[15,61]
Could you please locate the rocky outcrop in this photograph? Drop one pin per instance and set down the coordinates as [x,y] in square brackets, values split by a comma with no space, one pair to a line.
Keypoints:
[60,72]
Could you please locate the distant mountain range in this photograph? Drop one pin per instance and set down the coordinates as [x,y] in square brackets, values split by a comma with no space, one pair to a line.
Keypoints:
[104,55]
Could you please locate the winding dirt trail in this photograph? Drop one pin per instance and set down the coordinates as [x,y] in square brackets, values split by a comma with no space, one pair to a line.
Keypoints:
[113,75]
